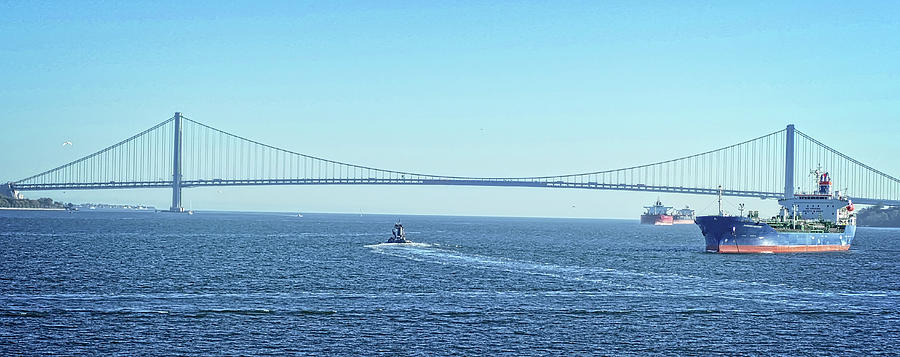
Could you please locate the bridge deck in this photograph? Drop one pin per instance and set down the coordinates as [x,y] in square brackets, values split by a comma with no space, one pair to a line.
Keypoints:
[439,182]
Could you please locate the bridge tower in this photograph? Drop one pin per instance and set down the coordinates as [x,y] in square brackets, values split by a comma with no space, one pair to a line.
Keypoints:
[176,169]
[789,162]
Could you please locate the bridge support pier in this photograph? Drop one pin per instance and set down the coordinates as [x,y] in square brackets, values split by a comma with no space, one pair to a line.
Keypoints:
[176,169]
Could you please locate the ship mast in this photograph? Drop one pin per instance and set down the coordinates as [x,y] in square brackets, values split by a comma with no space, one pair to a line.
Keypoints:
[720,201]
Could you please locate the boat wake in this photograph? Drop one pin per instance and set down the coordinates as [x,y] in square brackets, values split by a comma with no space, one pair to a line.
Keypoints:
[619,281]
[399,245]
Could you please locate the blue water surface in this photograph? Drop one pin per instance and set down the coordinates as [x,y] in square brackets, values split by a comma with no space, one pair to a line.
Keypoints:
[136,283]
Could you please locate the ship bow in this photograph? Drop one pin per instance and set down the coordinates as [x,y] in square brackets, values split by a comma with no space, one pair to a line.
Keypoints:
[715,229]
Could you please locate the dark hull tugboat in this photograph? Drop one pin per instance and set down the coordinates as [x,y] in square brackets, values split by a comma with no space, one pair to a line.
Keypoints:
[810,222]
[398,235]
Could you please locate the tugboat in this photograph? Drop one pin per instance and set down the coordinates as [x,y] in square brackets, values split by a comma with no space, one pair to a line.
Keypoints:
[398,235]
[808,222]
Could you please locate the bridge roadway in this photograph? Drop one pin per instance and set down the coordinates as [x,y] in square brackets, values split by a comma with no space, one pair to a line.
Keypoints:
[487,182]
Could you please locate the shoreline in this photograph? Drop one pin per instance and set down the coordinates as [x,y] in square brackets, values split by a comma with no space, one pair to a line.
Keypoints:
[30,209]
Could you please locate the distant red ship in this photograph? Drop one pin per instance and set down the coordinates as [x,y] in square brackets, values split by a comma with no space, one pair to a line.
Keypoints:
[657,215]
[684,216]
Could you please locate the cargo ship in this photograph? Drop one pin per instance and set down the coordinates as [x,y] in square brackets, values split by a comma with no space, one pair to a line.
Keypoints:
[683,216]
[808,222]
[657,215]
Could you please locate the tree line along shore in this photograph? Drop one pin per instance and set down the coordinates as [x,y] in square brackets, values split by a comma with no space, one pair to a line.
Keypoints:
[24,203]
[879,216]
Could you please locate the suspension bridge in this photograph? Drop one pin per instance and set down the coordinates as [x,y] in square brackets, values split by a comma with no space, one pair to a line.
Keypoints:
[181,153]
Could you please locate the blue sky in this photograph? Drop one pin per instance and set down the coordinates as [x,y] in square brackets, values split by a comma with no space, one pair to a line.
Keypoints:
[480,89]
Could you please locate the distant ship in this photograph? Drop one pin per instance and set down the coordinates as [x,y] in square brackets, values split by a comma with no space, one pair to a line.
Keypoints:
[808,222]
[657,215]
[683,216]
[398,235]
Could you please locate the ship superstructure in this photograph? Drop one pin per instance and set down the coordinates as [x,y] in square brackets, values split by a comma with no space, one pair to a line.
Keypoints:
[683,216]
[807,222]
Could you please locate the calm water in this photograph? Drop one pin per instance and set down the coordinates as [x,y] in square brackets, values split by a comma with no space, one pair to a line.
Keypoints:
[216,283]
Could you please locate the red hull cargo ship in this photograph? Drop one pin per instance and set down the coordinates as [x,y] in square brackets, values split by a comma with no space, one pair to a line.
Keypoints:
[684,216]
[657,215]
